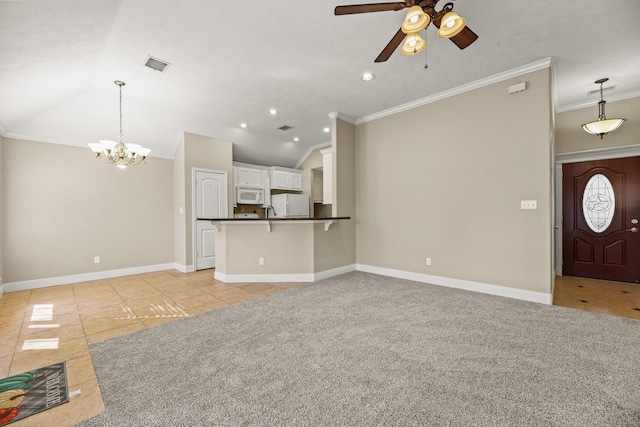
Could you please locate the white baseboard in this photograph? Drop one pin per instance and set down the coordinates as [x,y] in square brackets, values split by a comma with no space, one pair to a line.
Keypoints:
[334,272]
[185,268]
[301,277]
[252,278]
[503,291]
[448,282]
[86,277]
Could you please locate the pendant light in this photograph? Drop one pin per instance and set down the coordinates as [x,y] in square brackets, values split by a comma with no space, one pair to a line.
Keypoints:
[602,126]
[119,153]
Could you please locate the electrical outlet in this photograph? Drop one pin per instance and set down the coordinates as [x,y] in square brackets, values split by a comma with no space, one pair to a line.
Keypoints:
[428,261]
[261,261]
[96,260]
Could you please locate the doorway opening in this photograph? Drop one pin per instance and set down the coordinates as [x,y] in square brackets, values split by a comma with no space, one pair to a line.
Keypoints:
[597,238]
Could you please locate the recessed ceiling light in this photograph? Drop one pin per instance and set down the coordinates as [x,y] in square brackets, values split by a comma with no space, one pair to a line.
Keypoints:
[243,125]
[273,111]
[326,130]
[296,139]
[367,76]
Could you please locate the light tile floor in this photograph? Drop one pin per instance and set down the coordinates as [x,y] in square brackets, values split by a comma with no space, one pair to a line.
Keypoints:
[601,296]
[70,317]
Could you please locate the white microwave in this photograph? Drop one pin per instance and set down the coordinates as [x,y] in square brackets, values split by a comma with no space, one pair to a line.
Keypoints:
[250,196]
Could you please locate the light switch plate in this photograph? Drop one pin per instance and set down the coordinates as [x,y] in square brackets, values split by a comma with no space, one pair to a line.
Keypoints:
[528,204]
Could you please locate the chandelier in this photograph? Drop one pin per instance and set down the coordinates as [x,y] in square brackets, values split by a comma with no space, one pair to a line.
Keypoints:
[119,153]
[602,126]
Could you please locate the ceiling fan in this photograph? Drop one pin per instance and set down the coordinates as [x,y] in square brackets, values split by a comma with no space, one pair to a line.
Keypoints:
[419,15]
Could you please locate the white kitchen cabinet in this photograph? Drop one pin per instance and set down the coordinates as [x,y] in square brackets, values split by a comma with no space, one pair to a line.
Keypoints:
[286,179]
[249,177]
[327,176]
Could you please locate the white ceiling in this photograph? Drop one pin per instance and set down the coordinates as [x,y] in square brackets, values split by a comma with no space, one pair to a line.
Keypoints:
[232,61]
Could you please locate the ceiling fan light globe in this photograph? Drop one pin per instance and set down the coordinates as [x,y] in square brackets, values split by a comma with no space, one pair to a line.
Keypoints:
[451,25]
[415,20]
[414,44]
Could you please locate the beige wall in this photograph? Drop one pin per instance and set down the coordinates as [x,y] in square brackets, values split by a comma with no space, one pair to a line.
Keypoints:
[291,247]
[1,216]
[286,249]
[62,208]
[313,161]
[445,181]
[179,222]
[206,153]
[571,138]
[337,247]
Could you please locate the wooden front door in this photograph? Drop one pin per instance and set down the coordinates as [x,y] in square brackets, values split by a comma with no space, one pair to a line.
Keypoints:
[601,210]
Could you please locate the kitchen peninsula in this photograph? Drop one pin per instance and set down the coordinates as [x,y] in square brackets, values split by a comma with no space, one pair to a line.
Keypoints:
[280,249]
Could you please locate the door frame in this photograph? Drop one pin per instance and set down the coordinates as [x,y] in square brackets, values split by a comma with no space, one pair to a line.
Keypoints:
[574,157]
[194,230]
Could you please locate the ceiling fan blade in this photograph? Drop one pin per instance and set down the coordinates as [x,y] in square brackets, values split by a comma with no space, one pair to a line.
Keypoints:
[391,46]
[463,39]
[365,8]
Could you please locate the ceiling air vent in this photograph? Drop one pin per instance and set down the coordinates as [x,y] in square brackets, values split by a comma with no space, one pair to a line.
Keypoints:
[285,127]
[156,64]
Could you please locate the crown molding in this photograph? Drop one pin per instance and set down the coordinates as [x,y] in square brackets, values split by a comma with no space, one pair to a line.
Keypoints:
[311,150]
[516,72]
[592,102]
[598,154]
[343,117]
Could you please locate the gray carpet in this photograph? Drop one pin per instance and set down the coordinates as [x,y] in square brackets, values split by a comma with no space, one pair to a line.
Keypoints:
[367,350]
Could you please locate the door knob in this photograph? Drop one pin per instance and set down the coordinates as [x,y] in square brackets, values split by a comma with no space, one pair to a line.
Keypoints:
[632,229]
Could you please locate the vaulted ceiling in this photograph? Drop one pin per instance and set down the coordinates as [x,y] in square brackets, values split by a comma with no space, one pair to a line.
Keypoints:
[232,61]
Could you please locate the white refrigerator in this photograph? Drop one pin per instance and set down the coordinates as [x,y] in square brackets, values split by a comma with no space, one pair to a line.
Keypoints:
[289,206]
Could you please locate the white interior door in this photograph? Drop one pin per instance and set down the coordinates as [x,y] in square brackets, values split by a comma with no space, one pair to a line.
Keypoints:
[210,194]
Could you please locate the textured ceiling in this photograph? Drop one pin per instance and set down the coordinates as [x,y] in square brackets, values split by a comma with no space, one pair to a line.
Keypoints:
[232,61]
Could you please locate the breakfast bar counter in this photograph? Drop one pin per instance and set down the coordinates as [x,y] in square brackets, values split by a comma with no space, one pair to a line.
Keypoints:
[326,221]
[282,249]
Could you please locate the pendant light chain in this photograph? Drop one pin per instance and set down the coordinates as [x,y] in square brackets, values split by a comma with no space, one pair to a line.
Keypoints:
[120,86]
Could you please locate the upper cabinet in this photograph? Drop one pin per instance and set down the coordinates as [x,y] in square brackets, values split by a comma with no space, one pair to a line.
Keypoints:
[286,179]
[249,177]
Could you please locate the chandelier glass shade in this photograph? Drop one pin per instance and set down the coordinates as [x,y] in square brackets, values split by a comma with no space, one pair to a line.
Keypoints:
[118,153]
[602,125]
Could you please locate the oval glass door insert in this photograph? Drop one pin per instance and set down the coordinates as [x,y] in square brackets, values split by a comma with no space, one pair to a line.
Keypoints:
[598,203]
